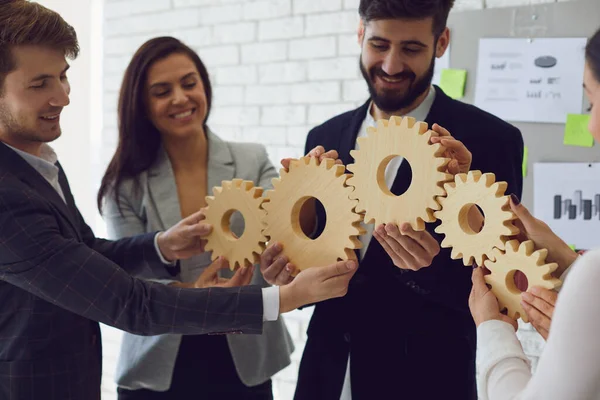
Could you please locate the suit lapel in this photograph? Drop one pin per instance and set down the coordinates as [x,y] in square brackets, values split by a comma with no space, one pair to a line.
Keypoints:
[220,162]
[11,161]
[350,132]
[163,188]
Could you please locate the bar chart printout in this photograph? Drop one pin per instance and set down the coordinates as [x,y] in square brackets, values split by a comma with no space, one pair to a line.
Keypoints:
[567,198]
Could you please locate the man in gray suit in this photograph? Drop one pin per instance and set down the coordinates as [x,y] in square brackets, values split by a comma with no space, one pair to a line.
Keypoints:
[57,278]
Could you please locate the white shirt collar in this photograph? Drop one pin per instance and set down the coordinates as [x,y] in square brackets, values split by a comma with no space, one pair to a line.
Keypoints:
[45,164]
[420,113]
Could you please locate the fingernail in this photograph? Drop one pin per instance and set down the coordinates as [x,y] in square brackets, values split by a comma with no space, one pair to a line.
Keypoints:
[243,271]
[515,199]
[527,297]
[350,265]
[288,268]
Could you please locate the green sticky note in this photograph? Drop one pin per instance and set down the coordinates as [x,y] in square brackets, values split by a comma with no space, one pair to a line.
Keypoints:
[525,156]
[576,131]
[453,82]
[572,246]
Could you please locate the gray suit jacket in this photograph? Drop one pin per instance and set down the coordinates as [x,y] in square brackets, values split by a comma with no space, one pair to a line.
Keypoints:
[148,362]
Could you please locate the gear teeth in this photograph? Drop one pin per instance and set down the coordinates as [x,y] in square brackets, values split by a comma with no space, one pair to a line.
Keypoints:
[481,189]
[297,185]
[409,138]
[531,262]
[241,195]
[371,131]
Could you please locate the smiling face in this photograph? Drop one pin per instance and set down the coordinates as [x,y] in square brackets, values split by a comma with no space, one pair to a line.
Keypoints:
[175,97]
[592,91]
[398,60]
[33,96]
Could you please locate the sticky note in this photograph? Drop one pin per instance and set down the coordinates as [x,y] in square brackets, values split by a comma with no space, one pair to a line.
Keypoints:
[572,246]
[576,131]
[452,82]
[525,156]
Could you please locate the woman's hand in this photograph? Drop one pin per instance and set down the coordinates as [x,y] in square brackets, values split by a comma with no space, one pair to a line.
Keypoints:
[210,276]
[483,303]
[542,236]
[539,304]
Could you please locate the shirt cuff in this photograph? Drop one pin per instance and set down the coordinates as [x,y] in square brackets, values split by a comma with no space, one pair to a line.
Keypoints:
[496,341]
[162,258]
[270,303]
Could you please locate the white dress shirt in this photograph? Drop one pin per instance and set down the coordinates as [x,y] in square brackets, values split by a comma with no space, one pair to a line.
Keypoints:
[568,368]
[420,114]
[46,166]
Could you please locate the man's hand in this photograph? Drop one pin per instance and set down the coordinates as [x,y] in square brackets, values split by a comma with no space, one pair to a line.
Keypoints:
[185,239]
[319,153]
[316,284]
[542,236]
[460,156]
[539,304]
[483,303]
[408,249]
[274,266]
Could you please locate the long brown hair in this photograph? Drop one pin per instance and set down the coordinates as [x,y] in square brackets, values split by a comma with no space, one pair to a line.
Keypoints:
[139,140]
[592,55]
[23,23]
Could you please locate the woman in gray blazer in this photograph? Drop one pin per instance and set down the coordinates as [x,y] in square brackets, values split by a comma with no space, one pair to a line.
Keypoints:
[166,161]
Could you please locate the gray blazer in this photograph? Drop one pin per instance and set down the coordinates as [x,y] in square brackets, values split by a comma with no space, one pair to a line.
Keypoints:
[148,362]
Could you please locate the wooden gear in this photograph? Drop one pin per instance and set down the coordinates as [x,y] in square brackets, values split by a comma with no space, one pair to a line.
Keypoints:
[325,181]
[519,258]
[398,137]
[242,196]
[466,191]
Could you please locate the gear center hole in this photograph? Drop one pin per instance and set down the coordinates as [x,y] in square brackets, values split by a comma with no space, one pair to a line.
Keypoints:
[306,206]
[233,224]
[392,163]
[518,280]
[471,219]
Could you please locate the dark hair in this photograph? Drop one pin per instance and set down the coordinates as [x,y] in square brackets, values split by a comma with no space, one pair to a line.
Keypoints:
[372,10]
[23,23]
[139,140]
[592,55]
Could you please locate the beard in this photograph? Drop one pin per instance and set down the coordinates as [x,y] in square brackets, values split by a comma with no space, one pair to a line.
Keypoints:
[22,131]
[390,101]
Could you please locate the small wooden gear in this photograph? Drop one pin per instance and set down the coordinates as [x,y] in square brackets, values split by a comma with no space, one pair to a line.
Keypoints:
[519,258]
[242,196]
[398,137]
[325,181]
[465,192]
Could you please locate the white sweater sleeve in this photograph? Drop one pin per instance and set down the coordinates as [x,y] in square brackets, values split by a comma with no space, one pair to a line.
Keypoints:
[569,367]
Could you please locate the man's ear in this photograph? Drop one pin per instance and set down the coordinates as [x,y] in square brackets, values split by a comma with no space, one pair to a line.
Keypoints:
[442,43]
[361,32]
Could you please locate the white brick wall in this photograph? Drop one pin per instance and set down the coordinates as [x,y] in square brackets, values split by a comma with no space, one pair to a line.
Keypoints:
[279,67]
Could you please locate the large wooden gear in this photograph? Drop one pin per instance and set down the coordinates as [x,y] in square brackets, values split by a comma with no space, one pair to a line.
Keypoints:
[325,181]
[398,137]
[466,191]
[519,258]
[242,196]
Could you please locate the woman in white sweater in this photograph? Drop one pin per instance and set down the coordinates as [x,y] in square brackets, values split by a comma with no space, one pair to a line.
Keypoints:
[569,368]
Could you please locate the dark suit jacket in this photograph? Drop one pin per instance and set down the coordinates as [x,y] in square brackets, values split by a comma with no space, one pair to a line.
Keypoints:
[57,280]
[409,334]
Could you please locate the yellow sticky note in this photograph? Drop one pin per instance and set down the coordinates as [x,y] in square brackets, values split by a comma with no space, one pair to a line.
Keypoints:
[525,156]
[572,246]
[576,131]
[453,82]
